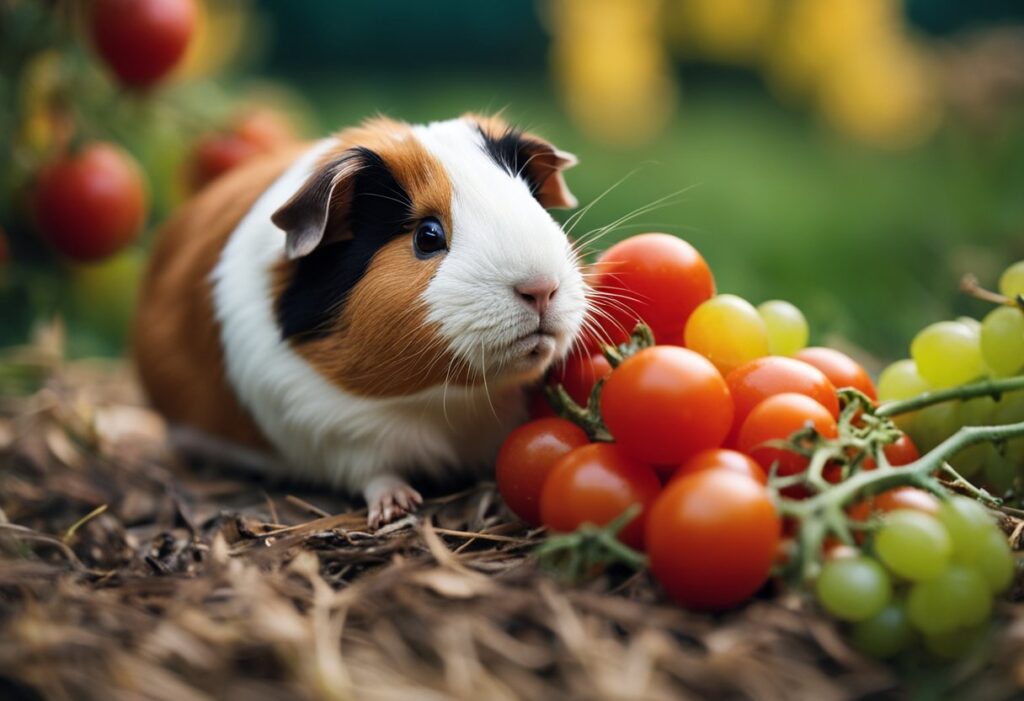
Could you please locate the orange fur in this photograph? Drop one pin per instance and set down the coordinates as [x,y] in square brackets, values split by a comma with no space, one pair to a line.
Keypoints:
[380,344]
[176,338]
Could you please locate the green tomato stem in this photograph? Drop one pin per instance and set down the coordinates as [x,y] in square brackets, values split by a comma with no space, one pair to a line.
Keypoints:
[992,388]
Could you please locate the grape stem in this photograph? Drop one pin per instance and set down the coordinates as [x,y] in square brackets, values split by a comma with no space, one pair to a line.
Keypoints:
[824,512]
[992,388]
[970,285]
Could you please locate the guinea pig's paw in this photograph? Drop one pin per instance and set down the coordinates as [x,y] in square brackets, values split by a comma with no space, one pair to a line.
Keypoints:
[389,498]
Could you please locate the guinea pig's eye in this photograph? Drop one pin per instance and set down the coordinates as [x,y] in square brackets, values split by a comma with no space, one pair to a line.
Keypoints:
[429,238]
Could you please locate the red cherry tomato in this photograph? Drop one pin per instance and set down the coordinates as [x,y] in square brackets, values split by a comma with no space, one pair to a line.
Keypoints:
[755,381]
[654,277]
[91,204]
[665,404]
[902,451]
[527,457]
[214,154]
[539,407]
[712,537]
[595,484]
[142,40]
[722,459]
[777,418]
[840,368]
[579,373]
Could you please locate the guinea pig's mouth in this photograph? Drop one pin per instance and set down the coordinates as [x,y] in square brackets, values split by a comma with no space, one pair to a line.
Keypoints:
[538,345]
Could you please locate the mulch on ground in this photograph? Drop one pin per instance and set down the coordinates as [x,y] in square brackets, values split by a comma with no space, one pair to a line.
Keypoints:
[125,574]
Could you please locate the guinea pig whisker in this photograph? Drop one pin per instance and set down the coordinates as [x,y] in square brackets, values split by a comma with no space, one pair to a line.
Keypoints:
[660,203]
[577,216]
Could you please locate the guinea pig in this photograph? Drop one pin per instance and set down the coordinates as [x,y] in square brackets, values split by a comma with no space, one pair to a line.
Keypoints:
[364,310]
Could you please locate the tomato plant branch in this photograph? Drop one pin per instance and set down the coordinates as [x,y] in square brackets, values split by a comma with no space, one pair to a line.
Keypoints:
[576,555]
[824,512]
[992,388]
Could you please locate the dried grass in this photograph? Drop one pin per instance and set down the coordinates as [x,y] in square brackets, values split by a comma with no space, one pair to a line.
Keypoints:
[194,585]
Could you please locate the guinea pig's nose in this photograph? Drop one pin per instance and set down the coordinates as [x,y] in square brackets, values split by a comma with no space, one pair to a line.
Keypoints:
[537,292]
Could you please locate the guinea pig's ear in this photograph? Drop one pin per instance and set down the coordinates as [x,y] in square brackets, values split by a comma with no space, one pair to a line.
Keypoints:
[544,167]
[530,156]
[316,214]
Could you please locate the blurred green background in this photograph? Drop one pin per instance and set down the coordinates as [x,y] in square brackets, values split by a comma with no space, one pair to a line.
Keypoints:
[855,157]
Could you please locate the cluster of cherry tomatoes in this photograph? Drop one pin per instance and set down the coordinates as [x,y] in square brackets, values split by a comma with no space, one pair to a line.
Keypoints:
[690,427]
[90,201]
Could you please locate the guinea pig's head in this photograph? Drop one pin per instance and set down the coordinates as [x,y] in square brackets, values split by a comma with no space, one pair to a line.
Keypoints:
[424,255]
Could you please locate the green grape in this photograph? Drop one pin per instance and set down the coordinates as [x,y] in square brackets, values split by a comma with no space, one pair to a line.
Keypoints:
[955,643]
[999,471]
[970,322]
[853,588]
[787,327]
[886,634]
[1011,282]
[993,559]
[1010,410]
[1002,341]
[973,412]
[728,331]
[957,598]
[934,424]
[967,522]
[947,353]
[913,545]
[900,381]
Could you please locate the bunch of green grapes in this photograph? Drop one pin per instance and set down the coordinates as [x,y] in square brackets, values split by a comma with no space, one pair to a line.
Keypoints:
[923,576]
[952,353]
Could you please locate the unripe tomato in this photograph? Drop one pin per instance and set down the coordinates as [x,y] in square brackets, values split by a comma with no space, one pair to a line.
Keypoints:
[142,40]
[712,537]
[595,484]
[527,457]
[91,204]
[665,403]
[776,419]
[839,368]
[657,278]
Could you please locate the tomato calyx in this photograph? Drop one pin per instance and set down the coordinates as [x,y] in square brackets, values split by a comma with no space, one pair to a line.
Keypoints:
[579,555]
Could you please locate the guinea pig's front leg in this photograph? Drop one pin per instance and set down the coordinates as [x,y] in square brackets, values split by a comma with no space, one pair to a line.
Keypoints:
[389,497]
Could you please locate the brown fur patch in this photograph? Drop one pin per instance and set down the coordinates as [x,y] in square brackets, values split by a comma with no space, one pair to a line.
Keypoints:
[176,338]
[380,344]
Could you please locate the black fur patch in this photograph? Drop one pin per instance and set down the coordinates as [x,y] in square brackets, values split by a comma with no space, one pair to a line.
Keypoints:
[380,210]
[511,151]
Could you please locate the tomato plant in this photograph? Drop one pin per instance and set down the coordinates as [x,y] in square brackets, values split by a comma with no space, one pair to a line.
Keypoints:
[657,278]
[776,419]
[664,404]
[841,369]
[722,459]
[90,204]
[594,484]
[712,537]
[142,40]
[527,457]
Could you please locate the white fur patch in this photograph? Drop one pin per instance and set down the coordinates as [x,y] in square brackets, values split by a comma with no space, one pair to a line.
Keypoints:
[322,432]
[501,236]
